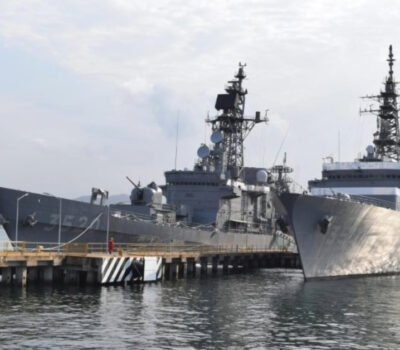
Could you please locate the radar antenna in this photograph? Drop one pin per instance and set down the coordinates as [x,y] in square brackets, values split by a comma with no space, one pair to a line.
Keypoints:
[233,125]
[387,136]
[282,180]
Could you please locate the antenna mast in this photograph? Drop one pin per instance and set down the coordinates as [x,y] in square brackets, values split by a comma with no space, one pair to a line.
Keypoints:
[387,136]
[232,123]
[176,140]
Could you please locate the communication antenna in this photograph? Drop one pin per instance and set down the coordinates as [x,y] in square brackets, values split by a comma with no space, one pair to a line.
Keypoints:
[339,145]
[265,147]
[387,135]
[176,140]
[205,127]
[280,147]
[230,126]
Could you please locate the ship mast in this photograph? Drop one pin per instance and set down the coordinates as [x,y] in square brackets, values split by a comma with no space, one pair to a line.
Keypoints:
[233,125]
[387,136]
[282,180]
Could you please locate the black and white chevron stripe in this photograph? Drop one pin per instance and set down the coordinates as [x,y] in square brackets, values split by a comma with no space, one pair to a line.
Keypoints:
[128,269]
[152,269]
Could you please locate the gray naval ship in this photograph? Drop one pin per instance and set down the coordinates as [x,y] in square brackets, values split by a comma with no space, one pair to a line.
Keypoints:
[350,222]
[219,202]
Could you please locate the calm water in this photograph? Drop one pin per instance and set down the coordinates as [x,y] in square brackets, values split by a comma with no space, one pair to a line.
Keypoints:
[269,309]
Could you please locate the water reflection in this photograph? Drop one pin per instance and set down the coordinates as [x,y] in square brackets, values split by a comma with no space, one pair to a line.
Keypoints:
[269,309]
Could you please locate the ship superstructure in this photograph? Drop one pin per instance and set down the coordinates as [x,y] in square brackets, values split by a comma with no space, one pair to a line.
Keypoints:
[350,222]
[220,190]
[374,178]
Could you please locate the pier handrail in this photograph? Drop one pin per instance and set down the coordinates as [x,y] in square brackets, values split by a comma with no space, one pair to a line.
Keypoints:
[124,248]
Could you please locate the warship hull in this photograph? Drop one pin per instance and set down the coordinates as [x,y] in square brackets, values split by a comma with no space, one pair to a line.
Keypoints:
[338,238]
[39,222]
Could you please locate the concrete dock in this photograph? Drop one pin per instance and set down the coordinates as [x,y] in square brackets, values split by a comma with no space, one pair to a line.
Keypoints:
[130,263]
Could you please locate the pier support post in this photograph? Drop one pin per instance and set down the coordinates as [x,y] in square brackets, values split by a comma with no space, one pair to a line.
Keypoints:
[21,275]
[261,261]
[6,275]
[33,274]
[203,266]
[225,264]
[173,270]
[194,271]
[258,258]
[170,272]
[58,274]
[253,261]
[246,262]
[190,267]
[176,269]
[167,271]
[72,277]
[235,264]
[91,277]
[214,267]
[164,270]
[272,261]
[181,269]
[48,274]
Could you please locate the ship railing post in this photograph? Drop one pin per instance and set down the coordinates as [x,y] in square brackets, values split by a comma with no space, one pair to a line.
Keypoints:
[17,218]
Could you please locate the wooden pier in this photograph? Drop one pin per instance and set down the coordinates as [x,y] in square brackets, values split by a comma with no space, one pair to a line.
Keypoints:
[130,263]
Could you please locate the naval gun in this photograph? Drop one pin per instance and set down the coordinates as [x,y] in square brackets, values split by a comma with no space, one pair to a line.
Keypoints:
[149,195]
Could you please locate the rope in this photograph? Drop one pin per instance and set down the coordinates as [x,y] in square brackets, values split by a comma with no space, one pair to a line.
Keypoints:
[80,235]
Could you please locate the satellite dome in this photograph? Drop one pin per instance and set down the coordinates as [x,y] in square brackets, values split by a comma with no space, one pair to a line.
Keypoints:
[217,137]
[262,176]
[148,194]
[136,195]
[203,151]
[370,149]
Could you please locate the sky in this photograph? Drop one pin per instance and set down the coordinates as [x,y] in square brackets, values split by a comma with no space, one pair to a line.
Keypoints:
[91,91]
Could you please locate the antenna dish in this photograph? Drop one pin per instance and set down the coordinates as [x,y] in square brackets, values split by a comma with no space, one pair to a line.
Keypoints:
[370,149]
[217,137]
[203,151]
[262,176]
